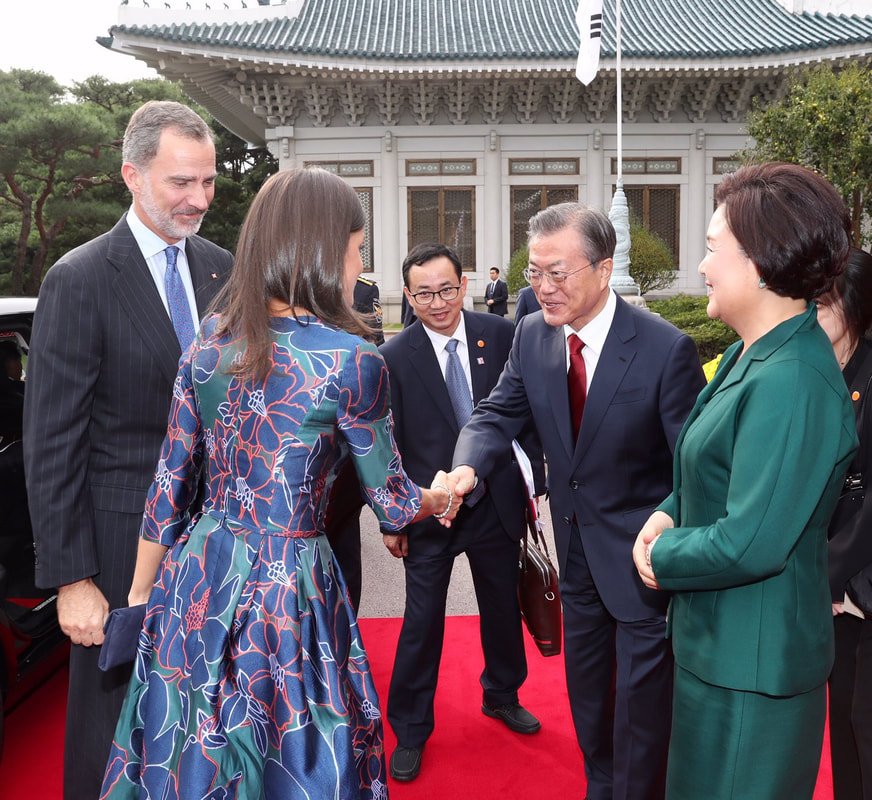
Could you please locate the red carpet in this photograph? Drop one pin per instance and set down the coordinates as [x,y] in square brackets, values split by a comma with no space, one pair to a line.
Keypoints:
[468,757]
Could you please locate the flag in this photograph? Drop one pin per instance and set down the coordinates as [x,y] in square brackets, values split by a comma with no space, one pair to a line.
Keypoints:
[589,18]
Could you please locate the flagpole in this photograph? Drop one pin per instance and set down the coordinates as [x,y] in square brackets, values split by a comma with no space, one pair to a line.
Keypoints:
[621,280]
[620,98]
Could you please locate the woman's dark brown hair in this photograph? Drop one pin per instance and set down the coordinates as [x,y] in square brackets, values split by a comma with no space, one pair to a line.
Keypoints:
[853,291]
[291,249]
[791,223]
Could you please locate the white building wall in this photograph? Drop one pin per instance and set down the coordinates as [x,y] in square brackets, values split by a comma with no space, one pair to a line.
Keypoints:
[493,147]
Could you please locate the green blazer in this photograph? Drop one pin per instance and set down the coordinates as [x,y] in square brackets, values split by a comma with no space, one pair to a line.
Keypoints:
[757,472]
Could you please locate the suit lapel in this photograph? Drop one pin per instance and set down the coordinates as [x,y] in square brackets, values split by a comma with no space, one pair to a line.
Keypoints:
[139,297]
[479,365]
[204,275]
[614,361]
[424,362]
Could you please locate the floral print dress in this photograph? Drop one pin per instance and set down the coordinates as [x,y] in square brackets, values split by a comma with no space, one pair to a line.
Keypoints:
[250,679]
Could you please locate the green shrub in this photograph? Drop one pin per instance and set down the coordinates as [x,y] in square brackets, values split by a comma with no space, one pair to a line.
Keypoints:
[652,264]
[515,272]
[688,314]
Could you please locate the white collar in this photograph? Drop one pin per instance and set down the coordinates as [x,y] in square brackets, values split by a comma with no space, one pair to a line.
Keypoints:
[150,244]
[595,332]
[439,340]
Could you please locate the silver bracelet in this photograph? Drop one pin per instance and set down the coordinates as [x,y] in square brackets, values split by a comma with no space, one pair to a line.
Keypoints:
[445,489]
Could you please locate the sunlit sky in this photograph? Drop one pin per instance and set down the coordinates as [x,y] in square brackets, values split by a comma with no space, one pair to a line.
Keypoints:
[59,37]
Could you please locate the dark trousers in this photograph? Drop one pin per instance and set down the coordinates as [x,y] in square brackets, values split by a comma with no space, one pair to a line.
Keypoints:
[619,678]
[95,697]
[850,693]
[90,725]
[493,561]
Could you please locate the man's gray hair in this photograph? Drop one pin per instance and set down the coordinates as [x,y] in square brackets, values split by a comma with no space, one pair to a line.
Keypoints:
[593,227]
[149,121]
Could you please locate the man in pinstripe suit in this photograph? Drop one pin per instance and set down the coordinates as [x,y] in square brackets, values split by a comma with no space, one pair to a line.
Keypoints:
[102,362]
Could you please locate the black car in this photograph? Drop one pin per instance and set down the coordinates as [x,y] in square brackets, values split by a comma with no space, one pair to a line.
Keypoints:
[32,645]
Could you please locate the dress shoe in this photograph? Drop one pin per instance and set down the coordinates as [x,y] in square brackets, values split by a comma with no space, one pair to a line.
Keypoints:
[515,717]
[406,763]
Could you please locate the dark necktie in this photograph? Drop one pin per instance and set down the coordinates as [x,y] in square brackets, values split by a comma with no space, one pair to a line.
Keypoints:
[577,382]
[458,388]
[177,300]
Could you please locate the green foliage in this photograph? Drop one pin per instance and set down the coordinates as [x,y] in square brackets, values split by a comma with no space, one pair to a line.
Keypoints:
[823,123]
[652,264]
[60,169]
[689,314]
[515,273]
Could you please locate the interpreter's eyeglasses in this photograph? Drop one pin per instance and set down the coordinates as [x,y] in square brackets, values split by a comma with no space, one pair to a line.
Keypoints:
[425,298]
[534,276]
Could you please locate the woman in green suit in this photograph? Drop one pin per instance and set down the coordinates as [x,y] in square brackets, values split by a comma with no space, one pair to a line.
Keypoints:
[742,539]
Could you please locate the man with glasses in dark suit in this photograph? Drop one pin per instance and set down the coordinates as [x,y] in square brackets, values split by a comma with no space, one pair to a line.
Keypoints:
[608,387]
[439,367]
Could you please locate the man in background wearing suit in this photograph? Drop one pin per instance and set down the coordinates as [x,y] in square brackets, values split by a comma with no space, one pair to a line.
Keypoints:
[113,318]
[496,296]
[608,387]
[439,367]
[526,303]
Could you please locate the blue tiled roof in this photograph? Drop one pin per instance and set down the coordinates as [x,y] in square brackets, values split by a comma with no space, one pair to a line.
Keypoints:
[532,30]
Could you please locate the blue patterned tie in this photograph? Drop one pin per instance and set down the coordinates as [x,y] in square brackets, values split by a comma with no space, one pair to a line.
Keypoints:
[458,388]
[177,300]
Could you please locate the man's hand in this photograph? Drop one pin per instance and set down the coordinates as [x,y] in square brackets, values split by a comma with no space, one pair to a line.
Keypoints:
[461,480]
[446,514]
[397,544]
[82,612]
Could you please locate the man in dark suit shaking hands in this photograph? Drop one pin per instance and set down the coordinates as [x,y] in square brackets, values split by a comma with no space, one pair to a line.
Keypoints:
[113,318]
[439,367]
[608,386]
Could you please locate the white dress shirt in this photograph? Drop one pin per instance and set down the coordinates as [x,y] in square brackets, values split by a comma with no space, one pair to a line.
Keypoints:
[152,248]
[594,336]
[439,340]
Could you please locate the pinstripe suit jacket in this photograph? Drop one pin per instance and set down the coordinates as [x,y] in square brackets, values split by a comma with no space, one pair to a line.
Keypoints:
[100,372]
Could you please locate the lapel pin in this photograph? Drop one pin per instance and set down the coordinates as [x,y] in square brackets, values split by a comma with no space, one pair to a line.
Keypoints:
[214,276]
[855,396]
[480,361]
[480,342]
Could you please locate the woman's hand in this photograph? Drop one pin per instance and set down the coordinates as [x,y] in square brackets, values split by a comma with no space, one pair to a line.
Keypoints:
[445,488]
[658,522]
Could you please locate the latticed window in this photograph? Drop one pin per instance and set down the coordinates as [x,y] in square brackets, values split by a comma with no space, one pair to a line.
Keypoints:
[657,208]
[445,215]
[365,196]
[529,200]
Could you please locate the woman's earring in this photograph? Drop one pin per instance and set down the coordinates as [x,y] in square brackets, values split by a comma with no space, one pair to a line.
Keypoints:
[761,283]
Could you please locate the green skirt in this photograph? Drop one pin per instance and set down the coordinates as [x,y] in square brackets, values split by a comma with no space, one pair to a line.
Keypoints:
[731,745]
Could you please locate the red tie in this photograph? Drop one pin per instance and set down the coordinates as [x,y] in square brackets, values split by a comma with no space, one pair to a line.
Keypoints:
[577,382]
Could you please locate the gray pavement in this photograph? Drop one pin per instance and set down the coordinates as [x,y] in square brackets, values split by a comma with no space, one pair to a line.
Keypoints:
[383,592]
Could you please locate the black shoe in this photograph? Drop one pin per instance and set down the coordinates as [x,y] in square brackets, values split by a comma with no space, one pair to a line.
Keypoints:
[406,763]
[515,717]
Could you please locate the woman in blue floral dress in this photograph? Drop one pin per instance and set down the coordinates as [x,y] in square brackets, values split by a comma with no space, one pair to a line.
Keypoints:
[250,679]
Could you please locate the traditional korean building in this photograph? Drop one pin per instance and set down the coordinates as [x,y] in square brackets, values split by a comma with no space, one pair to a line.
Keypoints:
[457,120]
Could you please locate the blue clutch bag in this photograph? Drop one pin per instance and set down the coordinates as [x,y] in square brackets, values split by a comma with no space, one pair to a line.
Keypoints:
[121,630]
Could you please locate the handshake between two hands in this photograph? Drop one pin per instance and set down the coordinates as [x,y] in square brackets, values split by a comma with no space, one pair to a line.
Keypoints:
[442,501]
[454,485]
